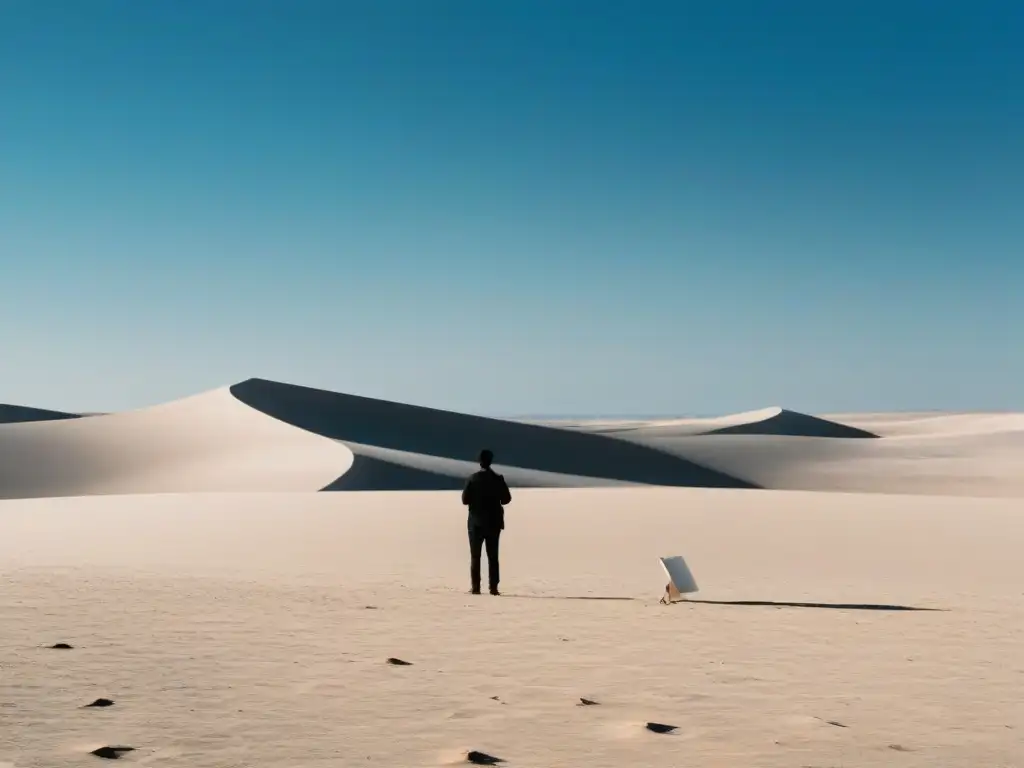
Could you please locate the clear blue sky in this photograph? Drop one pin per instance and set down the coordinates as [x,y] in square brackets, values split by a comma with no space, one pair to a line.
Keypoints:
[515,206]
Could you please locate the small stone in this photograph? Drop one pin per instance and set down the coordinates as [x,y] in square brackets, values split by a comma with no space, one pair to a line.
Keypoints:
[61,647]
[587,702]
[111,753]
[101,703]
[399,662]
[482,758]
[660,728]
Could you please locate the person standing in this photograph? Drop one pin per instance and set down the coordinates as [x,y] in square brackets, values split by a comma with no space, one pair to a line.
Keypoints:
[486,493]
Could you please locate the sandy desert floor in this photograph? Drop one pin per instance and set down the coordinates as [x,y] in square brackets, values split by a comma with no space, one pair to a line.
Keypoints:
[238,617]
[237,630]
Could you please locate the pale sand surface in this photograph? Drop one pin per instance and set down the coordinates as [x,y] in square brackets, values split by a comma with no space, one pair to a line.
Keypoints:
[208,442]
[964,454]
[232,630]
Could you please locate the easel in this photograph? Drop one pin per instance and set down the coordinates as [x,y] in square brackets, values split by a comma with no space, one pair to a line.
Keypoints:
[680,580]
[672,595]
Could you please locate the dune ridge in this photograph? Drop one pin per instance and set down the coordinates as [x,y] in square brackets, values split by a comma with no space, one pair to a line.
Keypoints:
[399,431]
[260,435]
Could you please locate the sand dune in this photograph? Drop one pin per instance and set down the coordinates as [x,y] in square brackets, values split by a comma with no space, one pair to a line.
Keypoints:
[210,442]
[779,421]
[965,455]
[235,630]
[403,444]
[261,435]
[767,421]
[968,454]
[17,414]
[985,466]
[935,424]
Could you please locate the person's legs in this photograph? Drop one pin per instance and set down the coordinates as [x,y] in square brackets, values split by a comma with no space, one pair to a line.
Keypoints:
[493,570]
[476,545]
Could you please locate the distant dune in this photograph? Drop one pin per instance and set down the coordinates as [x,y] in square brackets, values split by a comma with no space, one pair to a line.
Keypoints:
[767,421]
[779,421]
[261,435]
[18,414]
[965,455]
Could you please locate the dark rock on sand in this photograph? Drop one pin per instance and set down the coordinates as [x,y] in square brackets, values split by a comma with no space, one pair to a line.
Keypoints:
[482,758]
[111,753]
[61,647]
[399,662]
[101,703]
[660,727]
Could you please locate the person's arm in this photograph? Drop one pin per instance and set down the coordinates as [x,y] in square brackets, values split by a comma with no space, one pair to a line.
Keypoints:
[506,494]
[467,492]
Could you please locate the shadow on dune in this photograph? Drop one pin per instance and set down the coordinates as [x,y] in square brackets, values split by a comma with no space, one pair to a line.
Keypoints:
[21,414]
[792,423]
[368,473]
[832,606]
[431,432]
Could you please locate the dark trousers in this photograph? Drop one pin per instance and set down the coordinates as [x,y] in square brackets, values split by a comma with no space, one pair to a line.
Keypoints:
[479,536]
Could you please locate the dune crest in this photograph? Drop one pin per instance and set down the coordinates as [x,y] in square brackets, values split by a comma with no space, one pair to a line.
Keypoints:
[780,421]
[209,442]
[396,443]
[260,435]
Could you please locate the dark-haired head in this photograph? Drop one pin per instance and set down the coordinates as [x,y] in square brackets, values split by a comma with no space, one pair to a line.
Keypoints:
[486,458]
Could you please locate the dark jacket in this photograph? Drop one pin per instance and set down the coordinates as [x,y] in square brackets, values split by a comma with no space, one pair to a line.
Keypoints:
[485,494]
